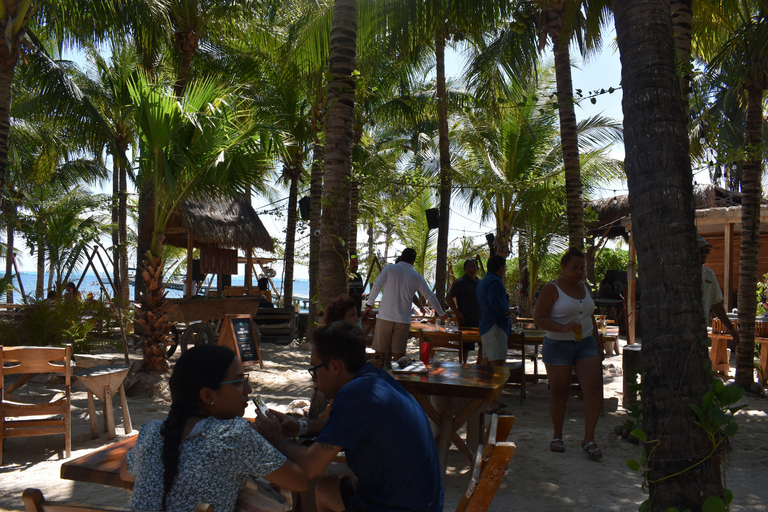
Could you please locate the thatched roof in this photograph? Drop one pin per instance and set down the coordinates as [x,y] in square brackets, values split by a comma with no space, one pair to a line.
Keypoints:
[223,222]
[610,210]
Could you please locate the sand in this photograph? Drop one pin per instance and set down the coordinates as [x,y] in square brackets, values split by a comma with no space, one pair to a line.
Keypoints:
[536,479]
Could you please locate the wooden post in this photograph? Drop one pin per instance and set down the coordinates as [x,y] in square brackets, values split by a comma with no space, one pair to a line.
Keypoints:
[248,271]
[190,258]
[631,290]
[727,259]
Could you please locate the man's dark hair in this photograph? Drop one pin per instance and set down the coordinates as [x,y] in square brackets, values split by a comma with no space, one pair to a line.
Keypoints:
[409,255]
[338,307]
[468,261]
[343,341]
[495,262]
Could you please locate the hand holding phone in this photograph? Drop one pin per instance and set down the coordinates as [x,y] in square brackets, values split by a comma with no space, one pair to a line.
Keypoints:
[260,405]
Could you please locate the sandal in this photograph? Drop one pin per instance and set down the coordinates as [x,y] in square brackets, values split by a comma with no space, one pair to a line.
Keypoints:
[557,445]
[594,453]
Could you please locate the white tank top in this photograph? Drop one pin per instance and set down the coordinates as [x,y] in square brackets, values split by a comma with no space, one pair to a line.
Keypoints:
[567,309]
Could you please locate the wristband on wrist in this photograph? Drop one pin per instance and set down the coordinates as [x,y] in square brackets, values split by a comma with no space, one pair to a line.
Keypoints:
[303,427]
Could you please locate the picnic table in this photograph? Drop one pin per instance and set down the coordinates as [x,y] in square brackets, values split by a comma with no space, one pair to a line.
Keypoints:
[452,395]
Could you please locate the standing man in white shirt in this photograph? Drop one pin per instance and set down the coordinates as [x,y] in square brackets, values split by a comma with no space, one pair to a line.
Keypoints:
[394,319]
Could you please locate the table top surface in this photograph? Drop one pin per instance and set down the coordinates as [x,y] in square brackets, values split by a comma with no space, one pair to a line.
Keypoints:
[473,333]
[101,466]
[454,379]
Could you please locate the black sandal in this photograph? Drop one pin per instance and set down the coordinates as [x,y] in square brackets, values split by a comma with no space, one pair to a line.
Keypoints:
[557,445]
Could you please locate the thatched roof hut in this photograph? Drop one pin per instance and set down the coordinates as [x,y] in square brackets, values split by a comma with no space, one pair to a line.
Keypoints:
[610,210]
[220,222]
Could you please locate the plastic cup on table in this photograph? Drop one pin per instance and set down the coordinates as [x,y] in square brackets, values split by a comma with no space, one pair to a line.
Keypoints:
[425,353]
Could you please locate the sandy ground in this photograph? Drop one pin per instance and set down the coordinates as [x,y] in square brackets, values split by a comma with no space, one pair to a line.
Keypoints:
[536,479]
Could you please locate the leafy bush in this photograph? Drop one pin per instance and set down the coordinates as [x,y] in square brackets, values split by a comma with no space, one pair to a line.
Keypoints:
[57,322]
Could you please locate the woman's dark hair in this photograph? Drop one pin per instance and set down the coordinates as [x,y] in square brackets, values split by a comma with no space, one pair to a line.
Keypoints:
[338,307]
[200,367]
[341,340]
[572,252]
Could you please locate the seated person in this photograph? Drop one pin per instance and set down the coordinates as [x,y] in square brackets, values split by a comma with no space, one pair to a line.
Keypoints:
[71,294]
[342,308]
[384,432]
[264,290]
[203,449]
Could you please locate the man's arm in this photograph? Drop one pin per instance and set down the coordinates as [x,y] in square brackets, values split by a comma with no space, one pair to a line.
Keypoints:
[313,459]
[719,311]
[455,308]
[431,297]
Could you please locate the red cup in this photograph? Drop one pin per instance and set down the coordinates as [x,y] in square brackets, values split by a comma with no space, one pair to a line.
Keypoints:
[425,353]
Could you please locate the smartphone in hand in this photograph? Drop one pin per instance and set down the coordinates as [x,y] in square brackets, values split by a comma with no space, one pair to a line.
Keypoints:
[260,405]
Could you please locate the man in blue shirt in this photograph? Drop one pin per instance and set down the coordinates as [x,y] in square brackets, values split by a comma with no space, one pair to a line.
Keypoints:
[494,319]
[384,432]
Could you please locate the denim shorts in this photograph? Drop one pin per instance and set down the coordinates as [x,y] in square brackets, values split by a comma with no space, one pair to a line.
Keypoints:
[567,352]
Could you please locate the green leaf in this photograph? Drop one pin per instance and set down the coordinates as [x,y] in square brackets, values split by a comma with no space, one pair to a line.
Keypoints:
[709,399]
[732,394]
[645,506]
[713,504]
[633,465]
[639,434]
[697,410]
[718,385]
[728,496]
[731,429]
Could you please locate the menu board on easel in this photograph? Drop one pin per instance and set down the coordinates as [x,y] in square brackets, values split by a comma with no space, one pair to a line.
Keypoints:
[239,333]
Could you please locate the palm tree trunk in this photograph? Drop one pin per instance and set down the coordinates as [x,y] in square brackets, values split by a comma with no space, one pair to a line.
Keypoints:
[441,264]
[7,67]
[675,365]
[570,140]
[682,18]
[315,210]
[338,152]
[751,188]
[122,227]
[144,242]
[290,234]
[8,254]
[115,211]
[40,284]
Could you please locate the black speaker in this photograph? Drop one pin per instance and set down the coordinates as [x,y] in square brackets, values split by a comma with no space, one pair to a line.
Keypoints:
[304,207]
[433,218]
[491,239]
[196,274]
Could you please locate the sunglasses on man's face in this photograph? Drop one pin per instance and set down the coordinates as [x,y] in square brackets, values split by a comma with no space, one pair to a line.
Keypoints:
[705,250]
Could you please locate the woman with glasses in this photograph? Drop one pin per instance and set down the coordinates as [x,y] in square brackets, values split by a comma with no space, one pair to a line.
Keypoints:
[204,448]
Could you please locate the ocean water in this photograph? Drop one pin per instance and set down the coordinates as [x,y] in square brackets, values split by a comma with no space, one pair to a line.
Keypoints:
[90,284]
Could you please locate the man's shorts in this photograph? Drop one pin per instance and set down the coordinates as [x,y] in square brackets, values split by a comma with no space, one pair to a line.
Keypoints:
[567,352]
[392,336]
[494,344]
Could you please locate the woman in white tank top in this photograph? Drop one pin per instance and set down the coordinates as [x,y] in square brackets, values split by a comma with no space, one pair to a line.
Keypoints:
[565,310]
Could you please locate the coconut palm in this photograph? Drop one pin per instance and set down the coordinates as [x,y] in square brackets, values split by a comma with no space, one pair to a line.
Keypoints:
[743,59]
[676,369]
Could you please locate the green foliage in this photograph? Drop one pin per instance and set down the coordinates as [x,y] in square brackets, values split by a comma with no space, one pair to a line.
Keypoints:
[716,417]
[610,259]
[56,323]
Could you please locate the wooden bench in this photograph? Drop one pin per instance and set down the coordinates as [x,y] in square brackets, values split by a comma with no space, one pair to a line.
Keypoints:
[35,502]
[491,461]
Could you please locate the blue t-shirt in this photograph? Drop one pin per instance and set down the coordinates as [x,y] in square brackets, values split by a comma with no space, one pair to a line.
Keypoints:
[494,305]
[388,443]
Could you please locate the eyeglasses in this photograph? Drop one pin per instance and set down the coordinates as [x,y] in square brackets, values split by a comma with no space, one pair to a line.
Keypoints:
[313,371]
[244,379]
[705,250]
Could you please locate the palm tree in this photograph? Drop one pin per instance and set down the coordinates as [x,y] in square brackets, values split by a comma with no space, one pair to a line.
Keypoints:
[334,232]
[676,369]
[742,61]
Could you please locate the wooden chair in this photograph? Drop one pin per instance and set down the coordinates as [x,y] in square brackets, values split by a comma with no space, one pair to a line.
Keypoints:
[516,362]
[761,337]
[491,461]
[442,341]
[16,411]
[718,353]
[369,324]
[35,502]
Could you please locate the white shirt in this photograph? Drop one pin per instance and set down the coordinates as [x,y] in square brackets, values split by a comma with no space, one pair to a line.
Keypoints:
[710,290]
[401,281]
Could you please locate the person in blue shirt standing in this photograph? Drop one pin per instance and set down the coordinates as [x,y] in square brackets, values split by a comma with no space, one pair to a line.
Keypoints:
[384,432]
[494,319]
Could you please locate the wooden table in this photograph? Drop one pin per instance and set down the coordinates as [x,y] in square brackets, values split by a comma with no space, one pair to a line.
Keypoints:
[469,334]
[101,466]
[102,381]
[443,387]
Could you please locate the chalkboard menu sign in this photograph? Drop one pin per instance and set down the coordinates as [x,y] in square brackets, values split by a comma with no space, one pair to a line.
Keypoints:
[241,335]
